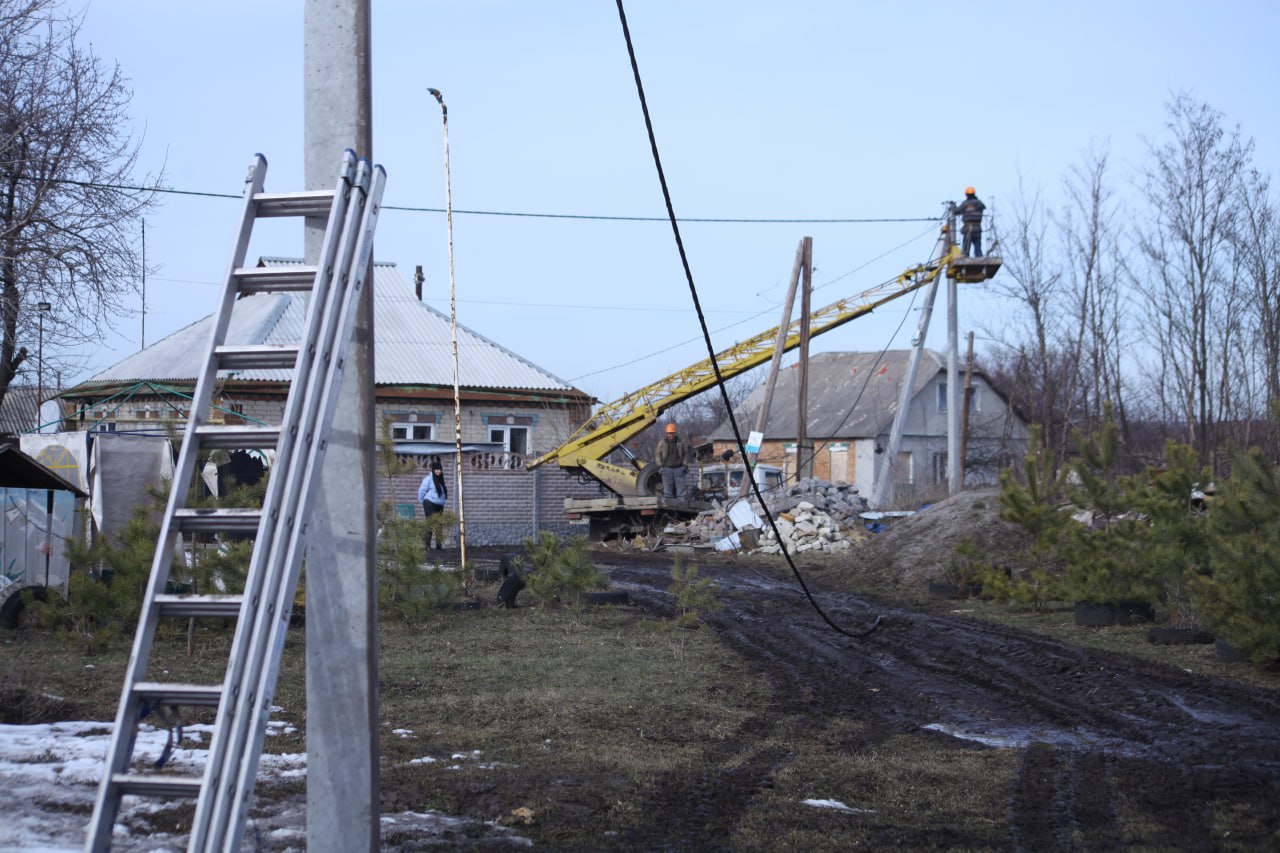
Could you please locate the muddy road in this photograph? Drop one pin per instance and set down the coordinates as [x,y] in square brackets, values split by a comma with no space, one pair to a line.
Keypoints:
[1094,729]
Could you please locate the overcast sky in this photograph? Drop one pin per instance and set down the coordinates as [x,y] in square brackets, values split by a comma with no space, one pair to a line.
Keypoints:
[762,110]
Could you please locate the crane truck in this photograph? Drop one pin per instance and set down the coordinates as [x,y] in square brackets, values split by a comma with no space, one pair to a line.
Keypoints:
[631,498]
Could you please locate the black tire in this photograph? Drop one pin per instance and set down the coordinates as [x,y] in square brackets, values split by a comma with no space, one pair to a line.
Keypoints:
[1226,652]
[1090,615]
[11,610]
[1134,613]
[488,574]
[944,590]
[509,590]
[509,565]
[650,480]
[611,596]
[1178,637]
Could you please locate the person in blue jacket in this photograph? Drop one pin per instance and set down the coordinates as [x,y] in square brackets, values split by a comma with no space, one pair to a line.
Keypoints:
[433,493]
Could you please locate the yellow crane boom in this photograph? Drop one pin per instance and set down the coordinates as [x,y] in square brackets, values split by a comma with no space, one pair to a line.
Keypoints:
[616,423]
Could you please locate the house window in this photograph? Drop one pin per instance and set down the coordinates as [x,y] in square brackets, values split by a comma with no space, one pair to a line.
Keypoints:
[412,427]
[104,426]
[405,431]
[514,439]
[975,398]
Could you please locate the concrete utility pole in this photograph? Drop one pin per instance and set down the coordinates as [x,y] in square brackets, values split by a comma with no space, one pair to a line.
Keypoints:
[954,476]
[884,488]
[342,678]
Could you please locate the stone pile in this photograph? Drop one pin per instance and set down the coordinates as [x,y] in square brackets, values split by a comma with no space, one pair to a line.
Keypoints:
[811,515]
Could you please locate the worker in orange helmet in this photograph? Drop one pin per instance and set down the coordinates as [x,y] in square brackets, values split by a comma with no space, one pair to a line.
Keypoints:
[970,212]
[673,457]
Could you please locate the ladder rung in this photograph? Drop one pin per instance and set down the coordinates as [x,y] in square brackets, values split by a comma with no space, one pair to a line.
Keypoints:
[235,437]
[275,279]
[157,786]
[217,520]
[312,203]
[179,694]
[199,606]
[251,357]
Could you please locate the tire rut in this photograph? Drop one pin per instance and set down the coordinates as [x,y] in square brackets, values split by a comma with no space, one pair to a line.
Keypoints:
[1096,730]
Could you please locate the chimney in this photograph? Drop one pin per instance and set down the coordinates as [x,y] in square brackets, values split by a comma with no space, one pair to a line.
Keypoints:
[417,281]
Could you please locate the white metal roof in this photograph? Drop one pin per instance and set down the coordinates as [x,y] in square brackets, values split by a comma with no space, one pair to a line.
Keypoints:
[412,344]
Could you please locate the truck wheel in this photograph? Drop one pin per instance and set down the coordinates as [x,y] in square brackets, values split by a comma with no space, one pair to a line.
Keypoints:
[650,480]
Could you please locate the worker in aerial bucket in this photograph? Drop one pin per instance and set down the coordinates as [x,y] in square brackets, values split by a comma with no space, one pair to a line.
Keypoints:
[970,212]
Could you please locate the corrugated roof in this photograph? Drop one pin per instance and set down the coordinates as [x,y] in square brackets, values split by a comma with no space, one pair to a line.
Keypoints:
[412,344]
[850,395]
[18,412]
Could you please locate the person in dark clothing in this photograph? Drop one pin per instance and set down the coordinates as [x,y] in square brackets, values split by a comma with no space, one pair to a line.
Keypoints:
[970,211]
[673,456]
[433,493]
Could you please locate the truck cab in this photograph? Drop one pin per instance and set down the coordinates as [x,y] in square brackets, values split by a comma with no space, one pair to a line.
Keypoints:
[712,479]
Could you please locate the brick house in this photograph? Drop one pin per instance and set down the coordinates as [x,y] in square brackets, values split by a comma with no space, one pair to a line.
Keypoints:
[510,408]
[852,399]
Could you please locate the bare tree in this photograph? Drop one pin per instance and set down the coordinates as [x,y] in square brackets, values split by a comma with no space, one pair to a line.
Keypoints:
[68,210]
[697,416]
[1258,249]
[1031,365]
[1093,264]
[1189,283]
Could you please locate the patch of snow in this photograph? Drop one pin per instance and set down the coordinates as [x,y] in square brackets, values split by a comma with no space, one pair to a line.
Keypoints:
[49,776]
[836,805]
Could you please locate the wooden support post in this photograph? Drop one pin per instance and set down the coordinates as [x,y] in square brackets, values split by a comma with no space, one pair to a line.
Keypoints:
[804,447]
[779,347]
[967,398]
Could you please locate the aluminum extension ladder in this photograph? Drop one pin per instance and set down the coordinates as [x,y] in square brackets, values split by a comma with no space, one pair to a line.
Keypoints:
[244,698]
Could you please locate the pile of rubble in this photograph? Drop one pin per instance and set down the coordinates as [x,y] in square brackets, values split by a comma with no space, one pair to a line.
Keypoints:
[811,515]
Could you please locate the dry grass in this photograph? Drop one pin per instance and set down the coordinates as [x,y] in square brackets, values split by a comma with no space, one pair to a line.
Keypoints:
[564,724]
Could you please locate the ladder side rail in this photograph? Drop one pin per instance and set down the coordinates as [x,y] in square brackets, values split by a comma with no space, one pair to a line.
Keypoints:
[224,743]
[326,391]
[124,733]
[230,733]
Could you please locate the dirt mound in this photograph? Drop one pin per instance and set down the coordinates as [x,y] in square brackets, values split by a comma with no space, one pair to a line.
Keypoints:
[921,547]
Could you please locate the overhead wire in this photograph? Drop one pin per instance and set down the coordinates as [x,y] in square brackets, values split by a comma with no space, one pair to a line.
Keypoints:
[757,314]
[693,292]
[860,220]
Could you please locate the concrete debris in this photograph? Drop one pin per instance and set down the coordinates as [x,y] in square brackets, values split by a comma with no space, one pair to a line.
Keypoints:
[811,515]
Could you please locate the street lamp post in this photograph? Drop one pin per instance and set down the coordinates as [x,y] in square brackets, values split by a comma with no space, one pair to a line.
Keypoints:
[453,334]
[43,308]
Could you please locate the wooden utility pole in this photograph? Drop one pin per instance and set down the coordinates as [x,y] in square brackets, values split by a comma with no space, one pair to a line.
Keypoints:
[804,446]
[779,346]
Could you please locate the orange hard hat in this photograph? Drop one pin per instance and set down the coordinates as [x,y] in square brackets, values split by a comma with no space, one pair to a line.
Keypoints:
[671,428]
[970,191]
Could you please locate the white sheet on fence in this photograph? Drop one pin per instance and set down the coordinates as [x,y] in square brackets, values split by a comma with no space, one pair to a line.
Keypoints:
[121,468]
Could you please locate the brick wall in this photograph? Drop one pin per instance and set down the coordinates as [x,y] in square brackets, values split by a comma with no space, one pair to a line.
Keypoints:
[505,502]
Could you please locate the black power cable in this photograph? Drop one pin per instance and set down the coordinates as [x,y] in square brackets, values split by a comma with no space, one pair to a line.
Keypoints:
[862,220]
[715,365]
